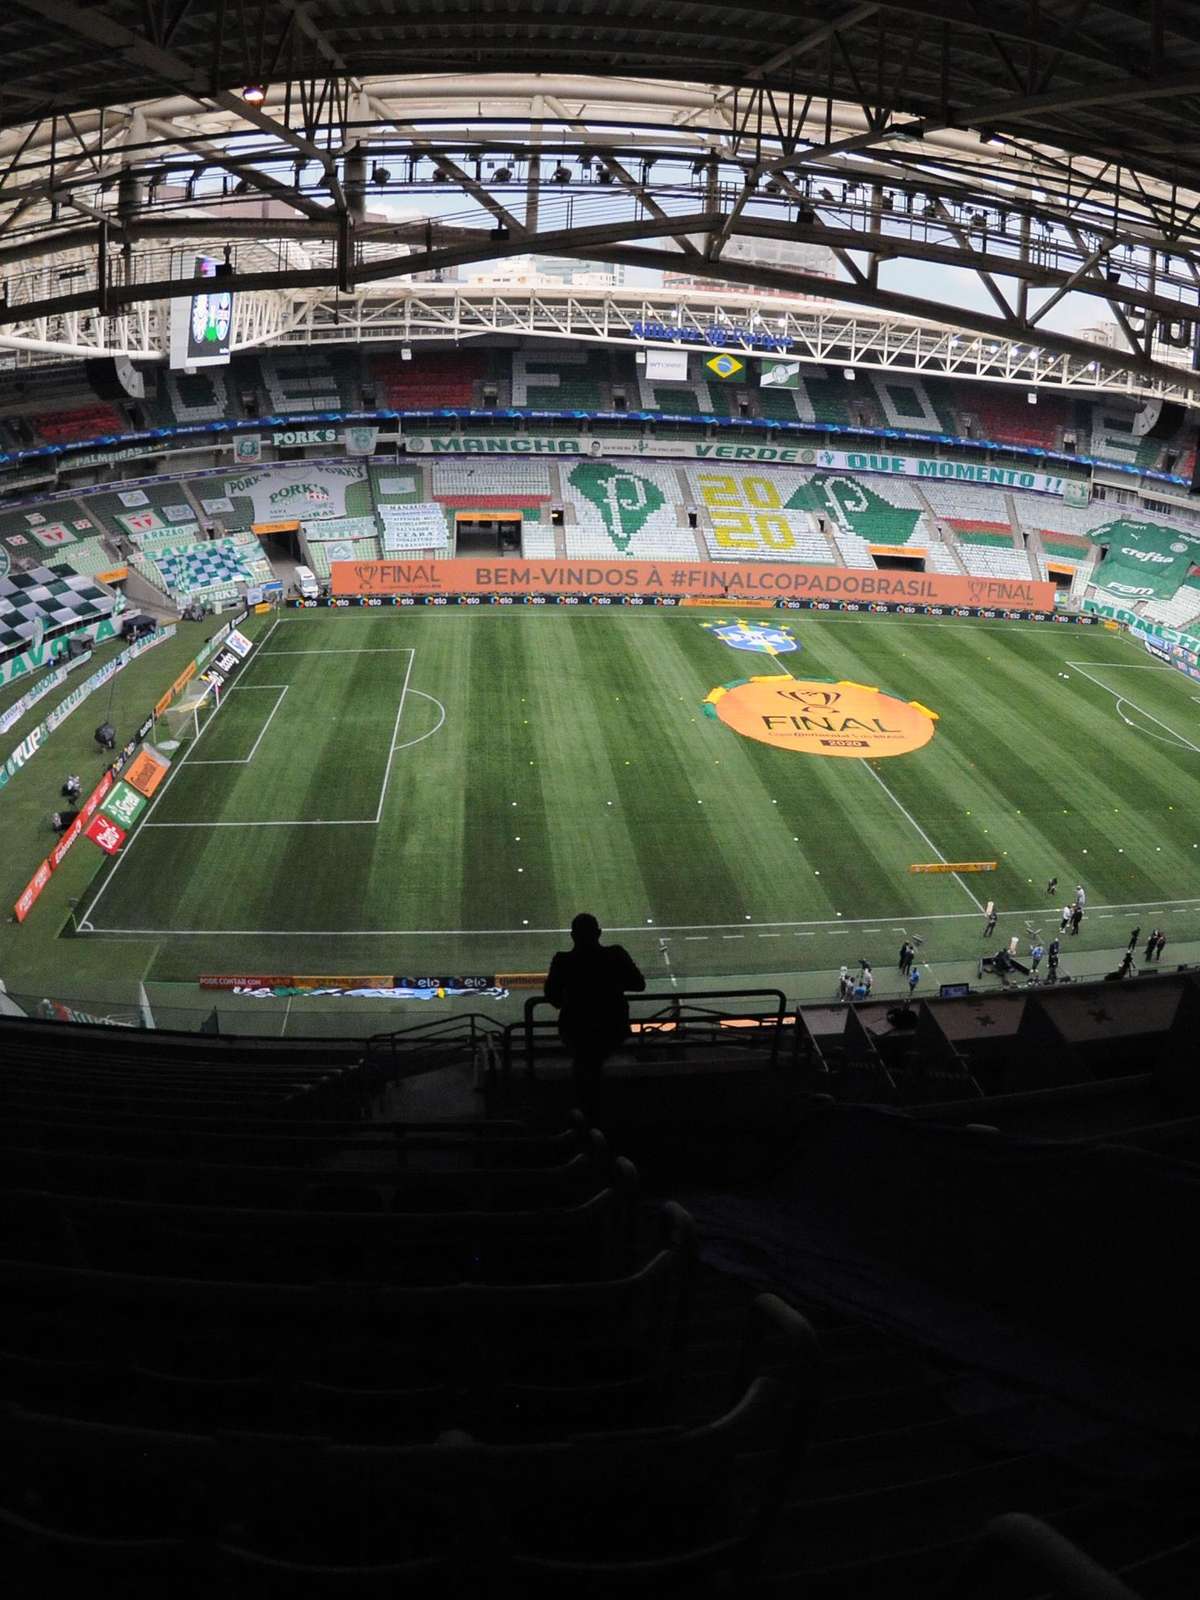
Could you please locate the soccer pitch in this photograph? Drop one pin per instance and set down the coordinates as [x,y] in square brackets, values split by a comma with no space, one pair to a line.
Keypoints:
[441,790]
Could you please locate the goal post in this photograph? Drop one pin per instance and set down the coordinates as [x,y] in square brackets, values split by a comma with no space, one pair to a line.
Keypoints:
[187,716]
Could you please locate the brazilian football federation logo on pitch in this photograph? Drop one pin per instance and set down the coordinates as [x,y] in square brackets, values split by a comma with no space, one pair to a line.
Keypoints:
[753,636]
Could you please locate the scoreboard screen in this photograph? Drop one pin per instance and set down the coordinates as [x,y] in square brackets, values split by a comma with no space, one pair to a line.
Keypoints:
[202,327]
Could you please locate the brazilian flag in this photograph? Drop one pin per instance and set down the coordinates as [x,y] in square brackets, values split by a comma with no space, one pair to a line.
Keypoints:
[726,368]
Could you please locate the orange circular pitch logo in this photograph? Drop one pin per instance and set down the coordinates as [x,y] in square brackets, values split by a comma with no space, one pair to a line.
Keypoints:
[823,719]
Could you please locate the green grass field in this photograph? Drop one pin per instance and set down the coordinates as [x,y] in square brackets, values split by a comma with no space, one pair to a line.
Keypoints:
[441,790]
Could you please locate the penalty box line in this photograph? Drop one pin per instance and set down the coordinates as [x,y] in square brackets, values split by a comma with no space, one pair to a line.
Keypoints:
[1119,698]
[244,761]
[319,822]
[84,923]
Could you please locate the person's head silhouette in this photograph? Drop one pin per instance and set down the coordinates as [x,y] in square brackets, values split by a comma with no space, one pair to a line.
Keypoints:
[585,930]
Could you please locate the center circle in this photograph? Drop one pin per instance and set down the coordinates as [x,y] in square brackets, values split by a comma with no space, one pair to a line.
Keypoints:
[824,719]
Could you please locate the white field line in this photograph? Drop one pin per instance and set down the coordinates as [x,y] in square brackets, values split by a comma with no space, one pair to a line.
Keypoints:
[176,767]
[393,650]
[689,930]
[1141,710]
[387,771]
[244,761]
[665,950]
[407,744]
[332,822]
[904,812]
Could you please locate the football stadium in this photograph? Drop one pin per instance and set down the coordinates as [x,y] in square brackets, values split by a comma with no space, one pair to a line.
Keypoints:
[600,778]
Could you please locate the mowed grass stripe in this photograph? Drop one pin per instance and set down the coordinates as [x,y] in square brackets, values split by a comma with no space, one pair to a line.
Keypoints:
[417,852]
[588,851]
[856,836]
[485,889]
[447,856]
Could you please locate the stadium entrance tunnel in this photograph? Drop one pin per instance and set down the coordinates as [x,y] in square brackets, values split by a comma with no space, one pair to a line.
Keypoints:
[822,719]
[488,531]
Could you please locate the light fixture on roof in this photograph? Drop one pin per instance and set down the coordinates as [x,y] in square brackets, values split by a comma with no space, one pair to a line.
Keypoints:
[806,217]
[406,352]
[1032,397]
[380,174]
[502,175]
[1111,275]
[561,174]
[254,94]
[603,175]
[773,186]
[849,374]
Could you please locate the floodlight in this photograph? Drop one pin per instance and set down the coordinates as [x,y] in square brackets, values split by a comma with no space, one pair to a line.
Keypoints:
[254,94]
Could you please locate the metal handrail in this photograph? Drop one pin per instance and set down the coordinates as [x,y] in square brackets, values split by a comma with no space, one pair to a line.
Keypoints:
[674,1001]
[1044,1551]
[467,1032]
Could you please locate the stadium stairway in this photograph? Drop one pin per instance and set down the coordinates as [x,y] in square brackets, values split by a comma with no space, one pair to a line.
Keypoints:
[437,1399]
[1019,537]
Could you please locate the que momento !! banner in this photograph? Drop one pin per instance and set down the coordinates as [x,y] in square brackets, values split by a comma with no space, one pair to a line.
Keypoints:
[728,581]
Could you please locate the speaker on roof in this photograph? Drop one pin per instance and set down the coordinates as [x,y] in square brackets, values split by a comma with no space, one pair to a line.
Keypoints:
[1158,419]
[115,378]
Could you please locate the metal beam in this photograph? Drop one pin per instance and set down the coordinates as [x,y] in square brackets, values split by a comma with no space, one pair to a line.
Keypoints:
[803,283]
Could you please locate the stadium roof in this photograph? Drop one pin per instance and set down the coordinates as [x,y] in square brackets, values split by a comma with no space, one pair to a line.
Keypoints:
[1046,145]
[1116,80]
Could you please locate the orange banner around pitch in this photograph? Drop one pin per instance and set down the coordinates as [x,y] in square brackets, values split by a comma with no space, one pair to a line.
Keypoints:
[955,866]
[728,581]
[146,771]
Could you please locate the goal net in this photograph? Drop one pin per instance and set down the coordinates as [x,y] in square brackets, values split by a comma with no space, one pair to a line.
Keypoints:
[185,718]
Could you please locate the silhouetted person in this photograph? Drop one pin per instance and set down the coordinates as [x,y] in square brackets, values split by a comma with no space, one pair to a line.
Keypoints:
[588,985]
[1158,946]
[1150,944]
